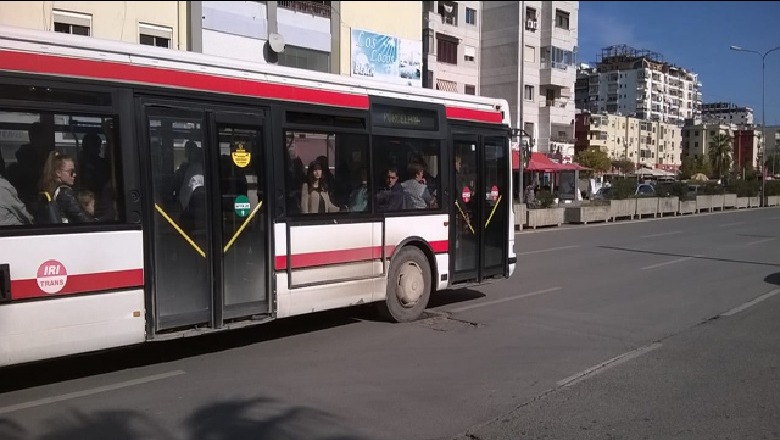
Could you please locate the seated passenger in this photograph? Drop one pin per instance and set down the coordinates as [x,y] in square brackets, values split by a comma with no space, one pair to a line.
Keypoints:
[315,192]
[391,196]
[59,175]
[416,194]
[12,210]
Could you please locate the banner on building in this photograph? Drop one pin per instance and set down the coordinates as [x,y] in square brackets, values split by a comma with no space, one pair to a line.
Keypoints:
[386,58]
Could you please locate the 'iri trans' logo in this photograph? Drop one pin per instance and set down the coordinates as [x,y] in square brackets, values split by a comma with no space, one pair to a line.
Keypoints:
[52,276]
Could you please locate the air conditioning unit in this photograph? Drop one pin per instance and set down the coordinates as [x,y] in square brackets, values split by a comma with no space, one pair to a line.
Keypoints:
[530,24]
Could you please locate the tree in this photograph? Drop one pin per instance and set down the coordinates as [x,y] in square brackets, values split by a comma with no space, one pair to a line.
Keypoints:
[720,154]
[703,166]
[594,158]
[624,166]
[688,167]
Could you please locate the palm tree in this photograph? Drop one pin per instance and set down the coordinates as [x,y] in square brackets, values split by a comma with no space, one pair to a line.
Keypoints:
[720,153]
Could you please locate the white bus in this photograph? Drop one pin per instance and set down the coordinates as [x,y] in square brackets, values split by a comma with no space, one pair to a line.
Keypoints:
[227,193]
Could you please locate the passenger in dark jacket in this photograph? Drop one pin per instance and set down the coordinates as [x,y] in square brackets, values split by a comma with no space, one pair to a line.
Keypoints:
[59,175]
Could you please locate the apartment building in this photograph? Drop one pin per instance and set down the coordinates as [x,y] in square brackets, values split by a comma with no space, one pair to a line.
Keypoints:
[528,58]
[161,24]
[727,113]
[379,41]
[651,144]
[745,143]
[451,45]
[638,83]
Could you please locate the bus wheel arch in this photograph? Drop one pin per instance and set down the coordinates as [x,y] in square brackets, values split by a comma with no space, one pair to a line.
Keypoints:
[409,282]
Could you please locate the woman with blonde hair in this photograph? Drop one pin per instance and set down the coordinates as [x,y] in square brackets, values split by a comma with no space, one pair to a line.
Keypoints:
[59,175]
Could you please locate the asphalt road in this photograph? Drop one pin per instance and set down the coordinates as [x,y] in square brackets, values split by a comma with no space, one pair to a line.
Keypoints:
[651,329]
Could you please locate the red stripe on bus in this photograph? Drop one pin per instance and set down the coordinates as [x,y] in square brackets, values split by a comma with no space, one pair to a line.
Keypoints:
[321,258]
[81,283]
[111,70]
[474,115]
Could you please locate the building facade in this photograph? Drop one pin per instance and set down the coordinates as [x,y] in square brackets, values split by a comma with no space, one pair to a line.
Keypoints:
[745,142]
[528,58]
[161,24]
[640,84]
[727,113]
[451,45]
[650,144]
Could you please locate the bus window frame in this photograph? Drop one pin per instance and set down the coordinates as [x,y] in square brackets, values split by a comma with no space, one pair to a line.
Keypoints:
[128,175]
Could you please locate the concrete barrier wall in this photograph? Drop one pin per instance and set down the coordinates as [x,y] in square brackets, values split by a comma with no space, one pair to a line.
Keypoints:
[588,214]
[544,217]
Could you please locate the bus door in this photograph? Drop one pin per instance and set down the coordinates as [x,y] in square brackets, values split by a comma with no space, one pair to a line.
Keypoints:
[208,235]
[481,196]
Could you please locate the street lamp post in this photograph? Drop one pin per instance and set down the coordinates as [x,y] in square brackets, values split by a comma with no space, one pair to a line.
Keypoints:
[763,112]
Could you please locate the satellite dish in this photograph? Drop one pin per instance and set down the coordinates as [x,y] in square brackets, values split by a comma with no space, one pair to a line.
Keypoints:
[276,42]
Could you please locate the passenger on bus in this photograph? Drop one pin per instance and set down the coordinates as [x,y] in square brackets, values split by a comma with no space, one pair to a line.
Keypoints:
[59,175]
[25,174]
[315,192]
[416,194]
[87,201]
[294,177]
[94,175]
[189,175]
[391,196]
[12,210]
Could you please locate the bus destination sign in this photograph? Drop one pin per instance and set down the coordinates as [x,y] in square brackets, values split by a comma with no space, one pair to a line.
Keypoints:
[408,118]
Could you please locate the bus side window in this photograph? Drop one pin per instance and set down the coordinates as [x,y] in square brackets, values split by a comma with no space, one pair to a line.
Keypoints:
[84,168]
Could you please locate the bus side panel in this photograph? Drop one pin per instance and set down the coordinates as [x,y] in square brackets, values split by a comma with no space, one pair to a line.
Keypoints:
[332,266]
[36,330]
[71,293]
[433,229]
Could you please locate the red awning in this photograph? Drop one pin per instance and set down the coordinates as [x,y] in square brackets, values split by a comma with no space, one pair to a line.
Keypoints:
[515,160]
[542,163]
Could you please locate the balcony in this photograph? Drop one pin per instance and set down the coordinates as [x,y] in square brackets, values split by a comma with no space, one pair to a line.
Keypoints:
[559,111]
[556,74]
[319,9]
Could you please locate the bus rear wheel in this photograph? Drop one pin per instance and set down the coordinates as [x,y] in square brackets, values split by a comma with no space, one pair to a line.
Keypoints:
[408,286]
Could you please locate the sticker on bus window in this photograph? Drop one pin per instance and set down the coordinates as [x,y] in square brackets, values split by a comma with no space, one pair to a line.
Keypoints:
[466,194]
[52,276]
[494,193]
[242,206]
[241,157]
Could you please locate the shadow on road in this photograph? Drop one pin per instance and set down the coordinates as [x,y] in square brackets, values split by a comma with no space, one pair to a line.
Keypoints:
[696,257]
[257,418]
[56,370]
[453,296]
[773,279]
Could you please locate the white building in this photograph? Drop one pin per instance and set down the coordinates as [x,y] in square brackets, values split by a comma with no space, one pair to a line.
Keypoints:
[727,113]
[543,34]
[639,83]
[451,48]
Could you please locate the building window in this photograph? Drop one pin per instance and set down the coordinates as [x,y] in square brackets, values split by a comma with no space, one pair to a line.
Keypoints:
[305,58]
[153,35]
[561,19]
[471,16]
[469,89]
[529,54]
[469,53]
[449,12]
[446,49]
[528,93]
[74,23]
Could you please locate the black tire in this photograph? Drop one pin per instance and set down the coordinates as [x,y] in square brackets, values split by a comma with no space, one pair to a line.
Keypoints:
[408,286]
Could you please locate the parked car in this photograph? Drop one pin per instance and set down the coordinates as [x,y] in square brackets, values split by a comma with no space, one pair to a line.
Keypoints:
[642,189]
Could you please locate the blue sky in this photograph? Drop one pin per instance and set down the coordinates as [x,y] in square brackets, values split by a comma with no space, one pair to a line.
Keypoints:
[696,36]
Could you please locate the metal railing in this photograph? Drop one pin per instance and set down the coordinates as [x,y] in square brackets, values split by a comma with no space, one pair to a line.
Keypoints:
[321,9]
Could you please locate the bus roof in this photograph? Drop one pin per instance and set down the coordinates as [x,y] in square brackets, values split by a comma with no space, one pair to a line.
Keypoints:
[65,55]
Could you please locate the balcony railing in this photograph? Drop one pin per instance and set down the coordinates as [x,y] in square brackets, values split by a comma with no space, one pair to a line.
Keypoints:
[320,9]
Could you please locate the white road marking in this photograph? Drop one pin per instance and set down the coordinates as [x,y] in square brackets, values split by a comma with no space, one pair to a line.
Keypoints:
[679,260]
[617,360]
[661,234]
[749,304]
[88,392]
[759,241]
[552,249]
[503,300]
